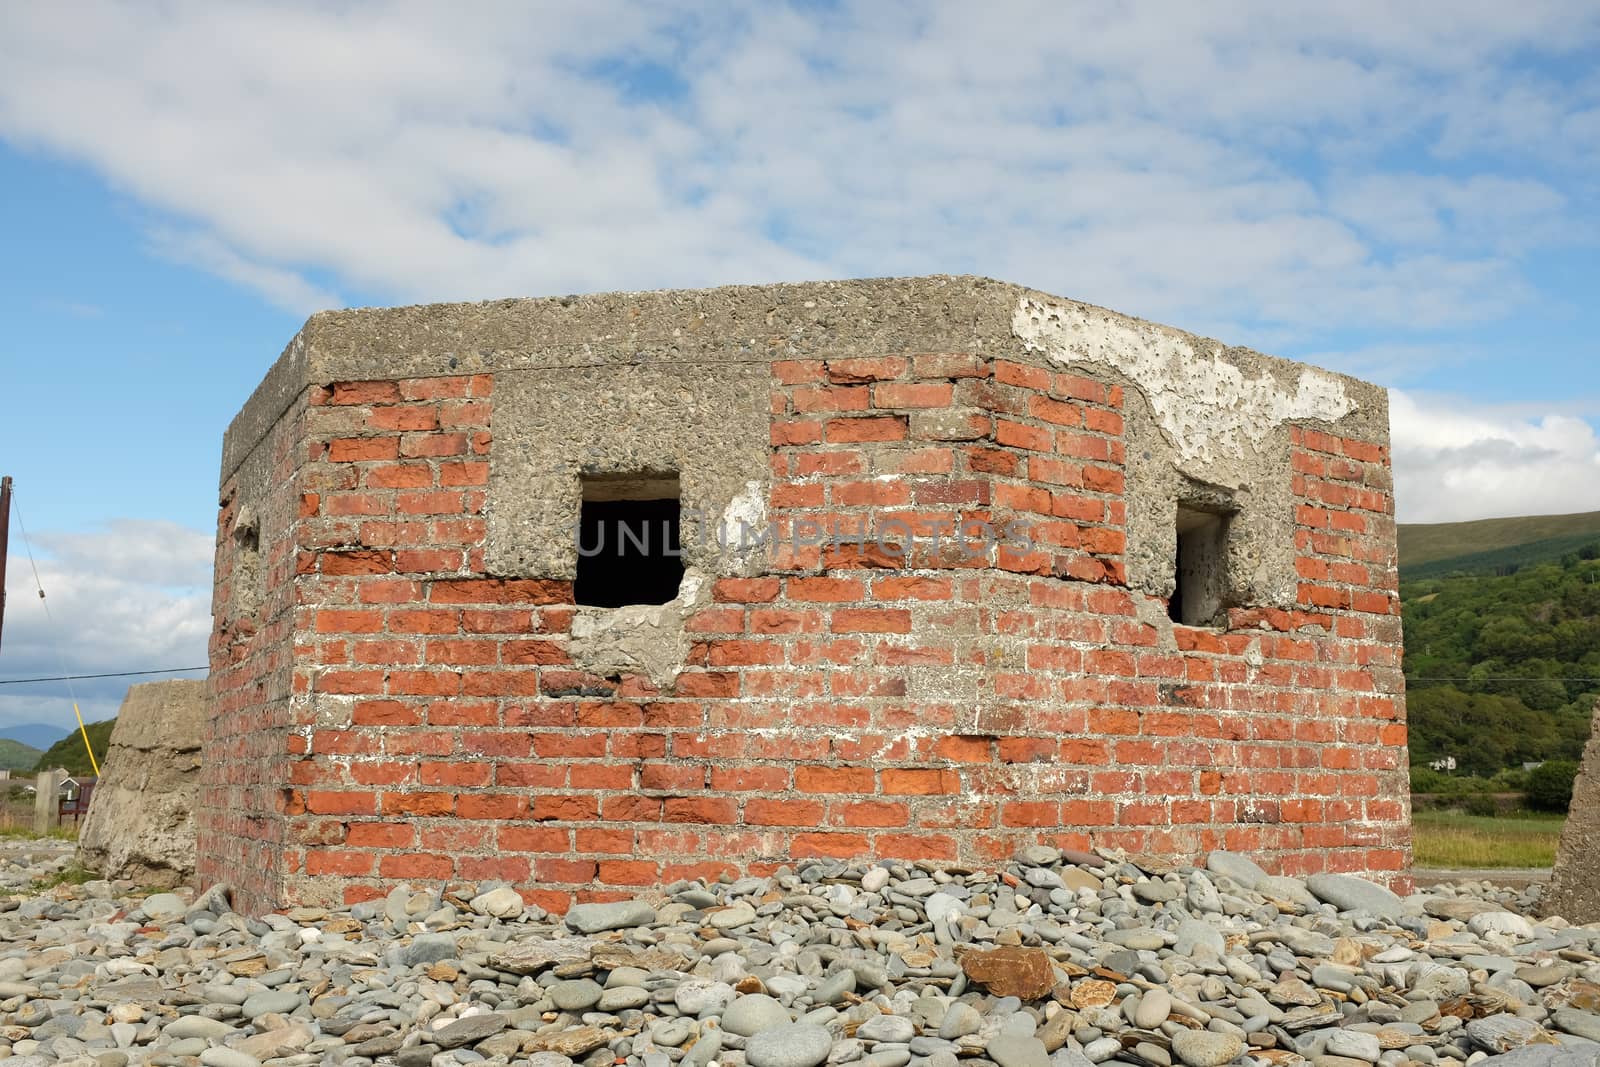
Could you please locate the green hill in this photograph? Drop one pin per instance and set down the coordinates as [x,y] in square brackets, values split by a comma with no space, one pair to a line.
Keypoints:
[1507,560]
[1426,543]
[16,756]
[69,753]
[1503,668]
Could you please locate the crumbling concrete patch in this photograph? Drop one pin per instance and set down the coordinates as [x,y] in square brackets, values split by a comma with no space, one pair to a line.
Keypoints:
[140,823]
[1207,426]
[1207,405]
[645,639]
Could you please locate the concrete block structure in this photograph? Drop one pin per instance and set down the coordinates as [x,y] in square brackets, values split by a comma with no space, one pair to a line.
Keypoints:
[596,593]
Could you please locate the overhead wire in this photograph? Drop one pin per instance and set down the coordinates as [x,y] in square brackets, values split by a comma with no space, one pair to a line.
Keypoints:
[27,545]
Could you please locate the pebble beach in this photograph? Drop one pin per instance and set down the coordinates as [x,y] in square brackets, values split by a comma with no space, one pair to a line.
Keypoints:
[1054,959]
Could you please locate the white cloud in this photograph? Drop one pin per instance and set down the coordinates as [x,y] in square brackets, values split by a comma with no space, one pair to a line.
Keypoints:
[134,595]
[1138,157]
[1456,461]
[1254,171]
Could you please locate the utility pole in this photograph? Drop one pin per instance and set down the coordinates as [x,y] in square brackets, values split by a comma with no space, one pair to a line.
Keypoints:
[5,529]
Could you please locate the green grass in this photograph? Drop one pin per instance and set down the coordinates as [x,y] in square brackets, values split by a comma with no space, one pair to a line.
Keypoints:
[1450,839]
[1425,542]
[25,833]
[72,875]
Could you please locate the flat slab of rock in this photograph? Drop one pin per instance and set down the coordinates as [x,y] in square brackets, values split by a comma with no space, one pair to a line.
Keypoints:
[574,1042]
[1026,973]
[469,1030]
[1349,893]
[1202,1048]
[535,954]
[620,915]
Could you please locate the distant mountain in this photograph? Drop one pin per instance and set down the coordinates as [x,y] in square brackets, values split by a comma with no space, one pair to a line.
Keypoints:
[1484,546]
[16,756]
[37,735]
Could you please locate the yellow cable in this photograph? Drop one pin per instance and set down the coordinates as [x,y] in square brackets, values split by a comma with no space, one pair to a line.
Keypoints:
[92,761]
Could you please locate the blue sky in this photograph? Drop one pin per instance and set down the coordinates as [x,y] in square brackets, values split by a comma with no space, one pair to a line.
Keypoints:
[1406,195]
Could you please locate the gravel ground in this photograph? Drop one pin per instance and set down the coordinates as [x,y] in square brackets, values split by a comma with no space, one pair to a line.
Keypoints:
[1056,960]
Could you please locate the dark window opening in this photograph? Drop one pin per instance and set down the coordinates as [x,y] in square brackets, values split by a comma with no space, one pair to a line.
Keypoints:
[629,548]
[1199,594]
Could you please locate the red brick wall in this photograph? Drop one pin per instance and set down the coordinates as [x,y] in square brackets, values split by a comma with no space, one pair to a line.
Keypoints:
[847,703]
[240,825]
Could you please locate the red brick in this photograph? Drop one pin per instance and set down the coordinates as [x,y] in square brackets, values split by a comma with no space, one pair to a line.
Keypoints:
[810,779]
[871,620]
[921,781]
[964,749]
[783,812]
[410,865]
[873,813]
[514,838]
[398,476]
[700,810]
[842,846]
[363,449]
[330,803]
[836,590]
[403,417]
[418,804]
[912,395]
[869,428]
[628,872]
[380,835]
[1017,435]
[745,590]
[867,369]
[339,862]
[500,591]
[831,398]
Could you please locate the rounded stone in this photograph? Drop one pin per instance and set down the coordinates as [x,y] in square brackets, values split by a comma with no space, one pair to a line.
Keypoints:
[960,1019]
[1154,1007]
[1355,1045]
[623,998]
[163,906]
[1242,869]
[700,997]
[793,1045]
[834,988]
[895,1028]
[577,994]
[502,903]
[1202,1048]
[272,1002]
[753,1013]
[1008,1050]
[217,1056]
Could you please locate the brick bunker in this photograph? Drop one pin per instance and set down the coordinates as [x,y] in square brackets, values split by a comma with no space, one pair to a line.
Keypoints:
[1170,622]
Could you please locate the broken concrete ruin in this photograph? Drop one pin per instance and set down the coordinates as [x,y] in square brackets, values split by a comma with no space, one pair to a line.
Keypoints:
[950,565]
[140,823]
[1574,892]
